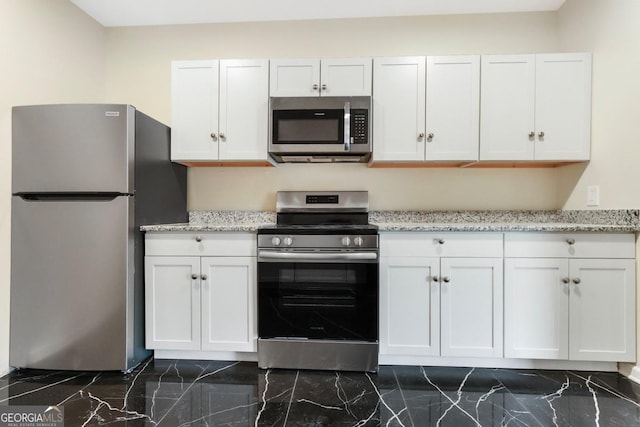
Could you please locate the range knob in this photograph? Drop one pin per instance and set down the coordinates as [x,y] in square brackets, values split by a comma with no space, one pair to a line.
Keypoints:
[345,241]
[288,241]
[358,241]
[276,241]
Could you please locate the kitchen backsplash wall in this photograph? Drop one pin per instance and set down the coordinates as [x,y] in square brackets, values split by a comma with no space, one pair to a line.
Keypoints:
[138,70]
[389,189]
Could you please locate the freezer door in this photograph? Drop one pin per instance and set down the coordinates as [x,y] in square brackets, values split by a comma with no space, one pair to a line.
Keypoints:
[73,147]
[71,284]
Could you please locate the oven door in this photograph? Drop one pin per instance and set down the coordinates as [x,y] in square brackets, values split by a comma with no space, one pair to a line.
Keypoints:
[318,295]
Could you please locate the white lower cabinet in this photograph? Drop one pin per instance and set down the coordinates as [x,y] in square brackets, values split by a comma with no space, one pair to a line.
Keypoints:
[409,306]
[200,303]
[471,307]
[443,304]
[570,296]
[172,303]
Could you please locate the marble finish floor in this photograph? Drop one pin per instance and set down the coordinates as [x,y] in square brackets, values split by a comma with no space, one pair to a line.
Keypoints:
[207,393]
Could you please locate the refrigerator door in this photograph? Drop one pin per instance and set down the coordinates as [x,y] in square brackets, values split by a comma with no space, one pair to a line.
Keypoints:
[73,148]
[72,284]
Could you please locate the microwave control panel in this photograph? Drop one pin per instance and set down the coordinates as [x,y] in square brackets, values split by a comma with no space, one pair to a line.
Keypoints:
[359,126]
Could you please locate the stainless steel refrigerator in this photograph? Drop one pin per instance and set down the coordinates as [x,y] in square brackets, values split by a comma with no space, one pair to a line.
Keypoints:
[84,178]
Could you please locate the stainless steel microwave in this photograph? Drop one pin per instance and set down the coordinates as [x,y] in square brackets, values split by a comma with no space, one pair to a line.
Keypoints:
[320,129]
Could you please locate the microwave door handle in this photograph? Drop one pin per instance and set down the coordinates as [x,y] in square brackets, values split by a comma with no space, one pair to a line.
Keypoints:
[347,126]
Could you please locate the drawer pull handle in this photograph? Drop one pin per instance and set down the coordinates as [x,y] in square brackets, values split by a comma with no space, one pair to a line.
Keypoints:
[571,241]
[198,239]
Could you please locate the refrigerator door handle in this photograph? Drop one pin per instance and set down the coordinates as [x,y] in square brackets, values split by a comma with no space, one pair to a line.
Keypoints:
[69,197]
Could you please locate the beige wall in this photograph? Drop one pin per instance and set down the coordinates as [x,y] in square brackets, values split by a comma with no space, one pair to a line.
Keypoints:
[138,71]
[51,52]
[610,30]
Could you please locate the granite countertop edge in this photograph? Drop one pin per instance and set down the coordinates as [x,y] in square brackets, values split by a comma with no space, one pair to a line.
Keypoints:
[622,220]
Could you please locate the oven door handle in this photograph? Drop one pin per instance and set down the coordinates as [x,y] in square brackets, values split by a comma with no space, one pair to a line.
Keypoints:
[315,256]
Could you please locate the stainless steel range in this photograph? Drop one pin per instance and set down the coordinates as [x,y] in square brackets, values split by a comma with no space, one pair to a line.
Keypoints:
[318,283]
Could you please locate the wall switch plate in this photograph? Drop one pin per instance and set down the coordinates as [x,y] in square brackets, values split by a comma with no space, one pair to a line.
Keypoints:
[593,195]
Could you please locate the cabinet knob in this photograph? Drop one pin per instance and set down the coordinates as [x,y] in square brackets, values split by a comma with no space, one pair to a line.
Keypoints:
[532,135]
[576,280]
[440,241]
[571,241]
[203,277]
[430,137]
[435,278]
[421,135]
[198,239]
[540,135]
[213,136]
[565,280]
[323,87]
[314,87]
[194,276]
[446,279]
[223,136]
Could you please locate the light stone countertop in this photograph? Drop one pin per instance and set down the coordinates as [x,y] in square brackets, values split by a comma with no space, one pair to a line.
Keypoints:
[623,220]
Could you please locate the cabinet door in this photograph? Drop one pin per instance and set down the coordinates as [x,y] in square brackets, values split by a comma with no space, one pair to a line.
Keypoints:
[602,310]
[244,116]
[563,106]
[294,77]
[536,304]
[409,306]
[194,110]
[453,107]
[172,303]
[507,107]
[345,77]
[229,304]
[471,307]
[398,108]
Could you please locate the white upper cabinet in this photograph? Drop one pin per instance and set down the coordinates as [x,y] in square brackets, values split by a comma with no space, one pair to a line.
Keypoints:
[244,109]
[294,77]
[194,110]
[399,108]
[436,124]
[453,107]
[536,107]
[325,77]
[563,106]
[219,110]
[346,77]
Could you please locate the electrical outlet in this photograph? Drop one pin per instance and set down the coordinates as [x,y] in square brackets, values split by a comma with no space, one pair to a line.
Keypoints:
[593,195]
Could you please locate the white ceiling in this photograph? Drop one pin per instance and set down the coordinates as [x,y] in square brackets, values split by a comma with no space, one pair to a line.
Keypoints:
[114,13]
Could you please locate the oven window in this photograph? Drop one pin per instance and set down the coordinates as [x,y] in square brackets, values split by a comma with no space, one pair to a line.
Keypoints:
[336,301]
[308,131]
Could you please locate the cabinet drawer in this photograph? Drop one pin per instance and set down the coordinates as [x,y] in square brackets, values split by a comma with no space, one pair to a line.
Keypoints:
[569,245]
[441,244]
[205,244]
